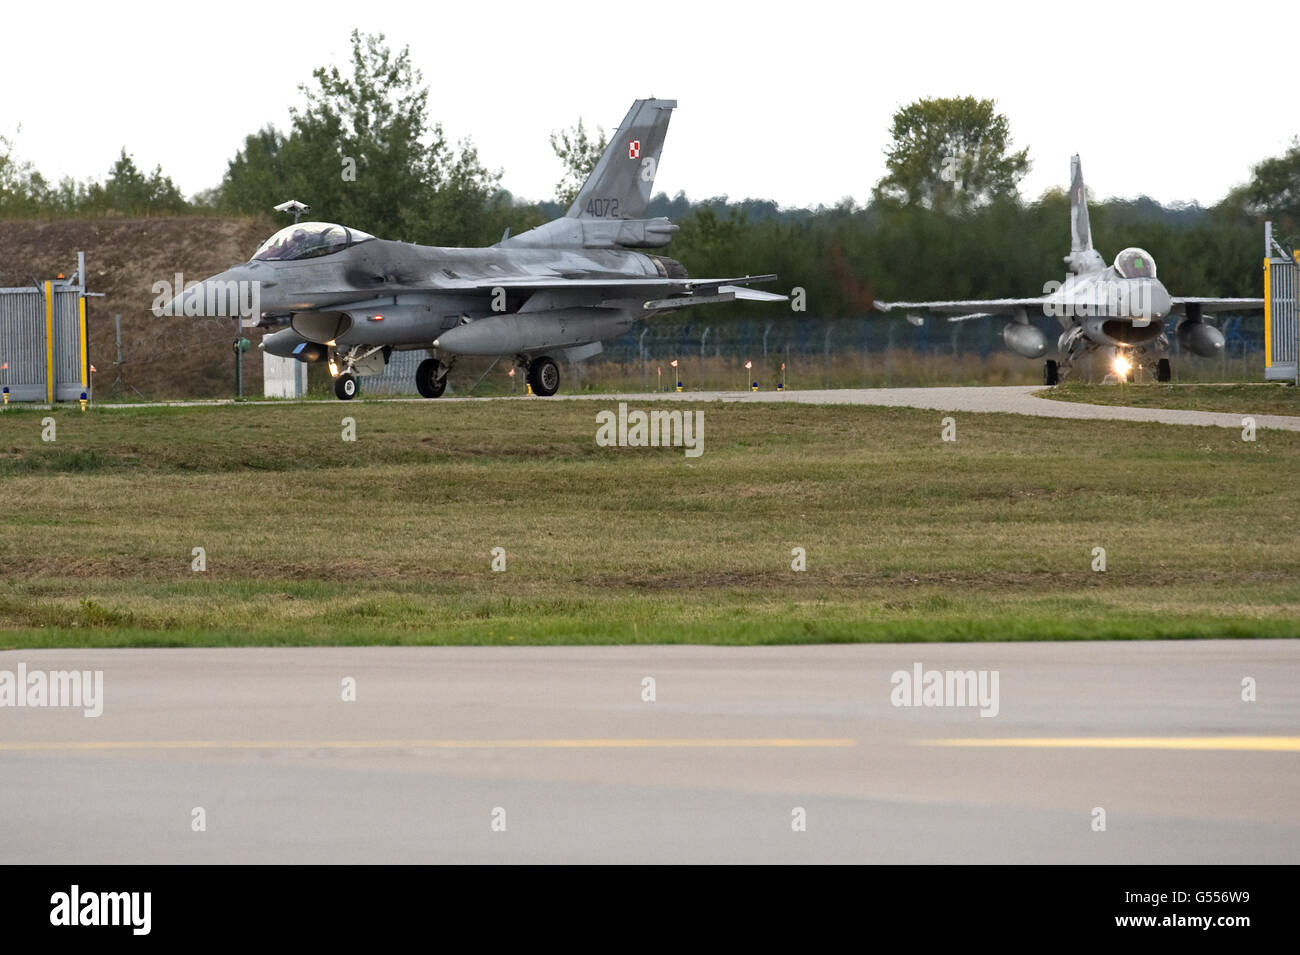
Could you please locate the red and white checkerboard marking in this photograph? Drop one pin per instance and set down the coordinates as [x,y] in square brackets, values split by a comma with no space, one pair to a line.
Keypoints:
[633,148]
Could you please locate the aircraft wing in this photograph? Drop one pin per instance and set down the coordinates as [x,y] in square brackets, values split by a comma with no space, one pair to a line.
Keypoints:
[1180,304]
[961,311]
[649,283]
[655,294]
[710,294]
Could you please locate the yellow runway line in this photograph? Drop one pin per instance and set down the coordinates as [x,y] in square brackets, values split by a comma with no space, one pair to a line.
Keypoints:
[305,744]
[1259,744]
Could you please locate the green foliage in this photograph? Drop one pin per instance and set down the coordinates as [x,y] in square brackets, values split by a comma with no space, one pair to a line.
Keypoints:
[256,178]
[1274,191]
[579,154]
[951,155]
[362,151]
[129,192]
[25,193]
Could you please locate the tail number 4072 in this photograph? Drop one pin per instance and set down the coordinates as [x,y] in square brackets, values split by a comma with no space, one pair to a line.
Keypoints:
[602,208]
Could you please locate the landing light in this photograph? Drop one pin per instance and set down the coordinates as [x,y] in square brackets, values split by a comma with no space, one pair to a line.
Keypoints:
[334,368]
[1122,367]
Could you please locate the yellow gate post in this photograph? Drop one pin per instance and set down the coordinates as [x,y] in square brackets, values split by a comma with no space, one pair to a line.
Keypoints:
[49,342]
[85,361]
[1268,314]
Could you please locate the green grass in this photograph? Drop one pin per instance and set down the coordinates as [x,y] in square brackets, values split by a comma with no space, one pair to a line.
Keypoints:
[311,540]
[1255,398]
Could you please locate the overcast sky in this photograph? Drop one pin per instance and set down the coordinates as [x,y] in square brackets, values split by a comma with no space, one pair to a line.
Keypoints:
[787,101]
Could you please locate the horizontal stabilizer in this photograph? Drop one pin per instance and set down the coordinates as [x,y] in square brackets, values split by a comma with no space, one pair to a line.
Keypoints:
[753,294]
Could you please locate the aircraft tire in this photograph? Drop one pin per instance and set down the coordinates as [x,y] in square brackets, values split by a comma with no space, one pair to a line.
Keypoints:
[1051,375]
[345,387]
[427,382]
[1163,370]
[544,376]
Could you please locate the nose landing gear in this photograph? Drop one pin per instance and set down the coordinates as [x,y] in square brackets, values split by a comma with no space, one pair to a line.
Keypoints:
[345,386]
[358,359]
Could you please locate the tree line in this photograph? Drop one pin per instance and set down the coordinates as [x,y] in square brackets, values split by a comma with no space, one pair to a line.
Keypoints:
[946,220]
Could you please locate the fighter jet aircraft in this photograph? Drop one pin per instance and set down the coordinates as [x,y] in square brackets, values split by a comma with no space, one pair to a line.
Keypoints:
[1124,308]
[350,299]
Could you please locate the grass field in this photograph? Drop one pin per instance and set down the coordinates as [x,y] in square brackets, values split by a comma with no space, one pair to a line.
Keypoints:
[313,540]
[1236,398]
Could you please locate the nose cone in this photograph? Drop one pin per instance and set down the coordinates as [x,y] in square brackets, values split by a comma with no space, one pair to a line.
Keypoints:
[234,292]
[1143,301]
[1161,302]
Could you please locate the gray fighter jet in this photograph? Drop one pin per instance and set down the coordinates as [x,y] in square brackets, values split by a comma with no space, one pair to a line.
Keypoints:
[1123,307]
[351,299]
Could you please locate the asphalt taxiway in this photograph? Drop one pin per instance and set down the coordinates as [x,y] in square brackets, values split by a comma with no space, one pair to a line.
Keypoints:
[555,754]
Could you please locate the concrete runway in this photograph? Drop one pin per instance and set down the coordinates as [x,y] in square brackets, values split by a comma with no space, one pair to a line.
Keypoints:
[1010,399]
[1154,733]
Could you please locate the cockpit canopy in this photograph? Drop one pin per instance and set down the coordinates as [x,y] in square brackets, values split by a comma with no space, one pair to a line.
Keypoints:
[1135,264]
[307,240]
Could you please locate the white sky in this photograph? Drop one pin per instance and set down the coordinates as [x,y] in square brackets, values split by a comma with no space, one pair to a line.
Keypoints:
[788,101]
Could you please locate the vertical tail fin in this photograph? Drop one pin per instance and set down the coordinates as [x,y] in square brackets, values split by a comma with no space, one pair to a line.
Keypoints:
[619,187]
[1083,257]
[1080,227]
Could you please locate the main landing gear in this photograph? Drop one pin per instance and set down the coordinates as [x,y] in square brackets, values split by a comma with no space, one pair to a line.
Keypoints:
[542,373]
[1123,368]
[1127,365]
[544,376]
[431,378]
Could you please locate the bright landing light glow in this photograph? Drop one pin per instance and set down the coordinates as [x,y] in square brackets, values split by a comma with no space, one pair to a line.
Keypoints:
[1122,366]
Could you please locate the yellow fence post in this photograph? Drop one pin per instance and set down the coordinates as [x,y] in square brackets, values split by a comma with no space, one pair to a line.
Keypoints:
[49,342]
[85,362]
[1268,317]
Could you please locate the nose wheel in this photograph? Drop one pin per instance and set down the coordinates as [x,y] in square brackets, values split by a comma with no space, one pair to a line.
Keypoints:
[345,386]
[344,366]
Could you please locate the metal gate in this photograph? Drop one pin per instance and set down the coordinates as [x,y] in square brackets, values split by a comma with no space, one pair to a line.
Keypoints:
[43,340]
[1281,311]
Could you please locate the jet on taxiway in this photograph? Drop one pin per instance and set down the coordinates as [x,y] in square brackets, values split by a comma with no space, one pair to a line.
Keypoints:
[1123,307]
[350,299]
